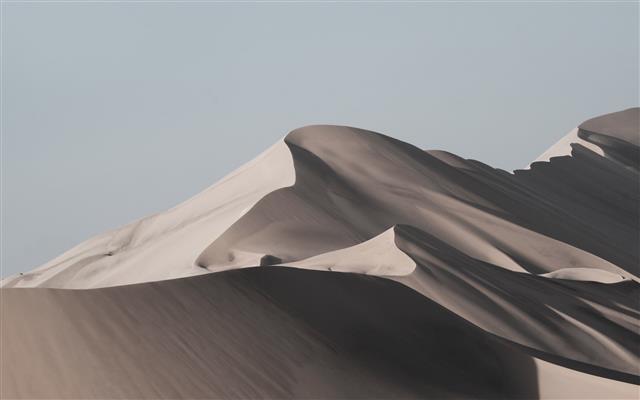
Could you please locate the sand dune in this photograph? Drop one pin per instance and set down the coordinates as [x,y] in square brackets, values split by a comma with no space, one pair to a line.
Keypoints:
[379,256]
[262,332]
[614,136]
[337,202]
[436,277]
[591,323]
[169,241]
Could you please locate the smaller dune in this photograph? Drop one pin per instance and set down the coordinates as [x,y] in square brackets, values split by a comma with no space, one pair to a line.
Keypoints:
[378,256]
[585,275]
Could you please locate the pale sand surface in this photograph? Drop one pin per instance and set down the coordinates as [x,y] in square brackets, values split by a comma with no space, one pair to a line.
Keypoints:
[556,382]
[378,256]
[507,285]
[170,241]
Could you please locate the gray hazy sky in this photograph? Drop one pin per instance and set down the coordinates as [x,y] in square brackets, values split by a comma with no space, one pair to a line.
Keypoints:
[111,112]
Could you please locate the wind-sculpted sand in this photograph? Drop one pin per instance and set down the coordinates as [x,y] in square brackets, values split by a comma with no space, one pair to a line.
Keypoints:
[343,263]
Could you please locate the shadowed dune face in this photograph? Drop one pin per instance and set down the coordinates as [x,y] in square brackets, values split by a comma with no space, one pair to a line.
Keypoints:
[592,323]
[486,284]
[259,332]
[581,199]
[596,203]
[614,148]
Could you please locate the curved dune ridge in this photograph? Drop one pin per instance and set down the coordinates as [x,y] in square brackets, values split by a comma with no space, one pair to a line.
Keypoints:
[383,271]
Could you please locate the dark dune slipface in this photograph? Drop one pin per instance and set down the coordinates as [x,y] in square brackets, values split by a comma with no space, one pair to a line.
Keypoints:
[590,323]
[260,332]
[582,199]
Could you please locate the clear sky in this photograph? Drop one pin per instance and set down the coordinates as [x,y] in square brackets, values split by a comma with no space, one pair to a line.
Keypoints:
[113,111]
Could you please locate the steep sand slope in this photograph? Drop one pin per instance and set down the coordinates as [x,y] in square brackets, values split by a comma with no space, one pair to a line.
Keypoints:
[262,332]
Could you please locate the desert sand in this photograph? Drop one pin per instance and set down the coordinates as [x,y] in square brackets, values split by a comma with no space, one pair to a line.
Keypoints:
[342,263]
